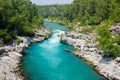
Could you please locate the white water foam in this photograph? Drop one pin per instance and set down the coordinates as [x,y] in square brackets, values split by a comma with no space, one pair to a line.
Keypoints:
[56,36]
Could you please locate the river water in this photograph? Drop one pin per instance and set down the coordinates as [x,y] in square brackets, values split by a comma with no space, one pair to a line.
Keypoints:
[48,60]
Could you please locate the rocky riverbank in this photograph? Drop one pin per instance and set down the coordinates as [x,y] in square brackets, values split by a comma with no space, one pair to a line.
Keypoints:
[10,55]
[85,48]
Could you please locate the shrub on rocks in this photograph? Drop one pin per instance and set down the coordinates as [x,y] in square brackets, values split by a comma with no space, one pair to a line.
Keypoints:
[106,42]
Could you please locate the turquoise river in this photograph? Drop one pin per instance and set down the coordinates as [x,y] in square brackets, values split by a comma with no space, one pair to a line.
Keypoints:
[48,60]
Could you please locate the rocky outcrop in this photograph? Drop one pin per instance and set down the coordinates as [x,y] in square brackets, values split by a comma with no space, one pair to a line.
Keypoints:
[115,28]
[9,66]
[10,56]
[85,45]
[41,34]
[10,59]
[2,51]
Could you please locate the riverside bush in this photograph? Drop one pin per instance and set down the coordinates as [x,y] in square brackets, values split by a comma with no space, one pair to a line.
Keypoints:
[7,38]
[107,43]
[26,31]
[2,33]
[18,41]
[93,21]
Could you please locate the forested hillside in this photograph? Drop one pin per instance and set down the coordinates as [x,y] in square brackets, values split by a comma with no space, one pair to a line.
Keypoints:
[17,17]
[93,11]
[51,10]
[103,14]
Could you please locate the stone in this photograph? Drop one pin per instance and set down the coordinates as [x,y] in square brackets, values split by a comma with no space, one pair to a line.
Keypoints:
[2,51]
[117,59]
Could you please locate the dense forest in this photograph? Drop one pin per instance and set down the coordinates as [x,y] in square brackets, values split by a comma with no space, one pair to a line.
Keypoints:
[51,11]
[93,11]
[17,17]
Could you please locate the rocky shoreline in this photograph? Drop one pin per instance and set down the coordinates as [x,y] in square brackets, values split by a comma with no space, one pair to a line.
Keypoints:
[10,55]
[85,48]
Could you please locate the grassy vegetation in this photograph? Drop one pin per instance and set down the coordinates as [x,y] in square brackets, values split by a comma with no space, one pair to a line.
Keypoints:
[5,76]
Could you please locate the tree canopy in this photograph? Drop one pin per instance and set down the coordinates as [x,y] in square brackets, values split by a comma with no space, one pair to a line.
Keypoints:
[17,17]
[93,11]
[51,10]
